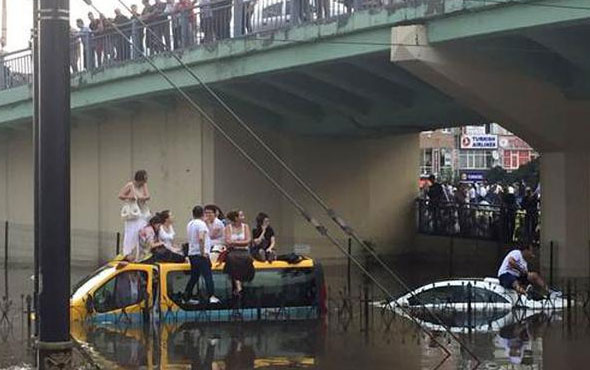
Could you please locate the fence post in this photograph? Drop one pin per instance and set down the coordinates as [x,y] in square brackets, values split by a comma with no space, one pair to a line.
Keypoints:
[29,312]
[551,263]
[348,269]
[6,259]
[451,253]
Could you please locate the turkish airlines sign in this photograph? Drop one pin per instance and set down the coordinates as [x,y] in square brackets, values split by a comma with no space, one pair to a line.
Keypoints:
[479,142]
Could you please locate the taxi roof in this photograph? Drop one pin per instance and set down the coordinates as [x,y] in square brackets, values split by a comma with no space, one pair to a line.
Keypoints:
[258,265]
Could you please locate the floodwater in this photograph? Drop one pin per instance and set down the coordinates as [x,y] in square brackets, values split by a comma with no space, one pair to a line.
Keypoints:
[353,335]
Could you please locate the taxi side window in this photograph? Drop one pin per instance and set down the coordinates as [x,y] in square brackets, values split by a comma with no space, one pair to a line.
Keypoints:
[125,289]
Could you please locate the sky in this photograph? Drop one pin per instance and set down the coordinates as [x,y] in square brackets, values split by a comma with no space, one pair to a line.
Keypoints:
[20,18]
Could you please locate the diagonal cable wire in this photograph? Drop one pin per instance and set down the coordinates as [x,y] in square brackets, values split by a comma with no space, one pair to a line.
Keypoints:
[317,225]
[329,211]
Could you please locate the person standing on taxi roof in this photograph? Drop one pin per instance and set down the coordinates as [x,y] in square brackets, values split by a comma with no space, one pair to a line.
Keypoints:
[199,247]
[136,195]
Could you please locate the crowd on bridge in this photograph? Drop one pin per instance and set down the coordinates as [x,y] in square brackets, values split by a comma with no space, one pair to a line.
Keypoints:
[163,25]
[211,238]
[493,211]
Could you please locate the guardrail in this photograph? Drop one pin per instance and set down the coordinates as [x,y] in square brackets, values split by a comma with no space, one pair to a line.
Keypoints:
[477,221]
[16,69]
[198,25]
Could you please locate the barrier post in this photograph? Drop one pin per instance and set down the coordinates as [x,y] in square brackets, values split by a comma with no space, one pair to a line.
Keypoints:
[6,259]
[551,263]
[118,248]
[348,270]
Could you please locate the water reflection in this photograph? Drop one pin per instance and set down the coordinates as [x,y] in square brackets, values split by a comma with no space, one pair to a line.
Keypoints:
[499,339]
[209,346]
[518,339]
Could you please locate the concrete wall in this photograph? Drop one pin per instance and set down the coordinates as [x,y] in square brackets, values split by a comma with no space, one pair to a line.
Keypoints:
[106,150]
[370,182]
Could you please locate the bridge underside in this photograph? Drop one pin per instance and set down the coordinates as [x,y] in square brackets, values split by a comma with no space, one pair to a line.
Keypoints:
[361,96]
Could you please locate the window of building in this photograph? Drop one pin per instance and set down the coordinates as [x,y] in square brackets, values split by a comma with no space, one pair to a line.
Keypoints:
[126,289]
[426,161]
[475,159]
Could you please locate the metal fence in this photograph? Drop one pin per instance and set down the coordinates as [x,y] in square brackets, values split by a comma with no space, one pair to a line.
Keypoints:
[16,69]
[199,25]
[478,221]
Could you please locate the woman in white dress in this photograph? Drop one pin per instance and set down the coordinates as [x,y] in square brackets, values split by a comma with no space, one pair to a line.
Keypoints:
[135,191]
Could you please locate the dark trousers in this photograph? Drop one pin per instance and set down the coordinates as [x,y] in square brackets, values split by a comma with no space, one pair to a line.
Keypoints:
[200,266]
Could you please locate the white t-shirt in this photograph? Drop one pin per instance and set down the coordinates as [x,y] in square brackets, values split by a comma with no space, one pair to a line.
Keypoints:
[518,258]
[217,227]
[193,229]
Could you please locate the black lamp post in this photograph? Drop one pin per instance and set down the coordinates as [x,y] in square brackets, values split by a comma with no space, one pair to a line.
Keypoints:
[53,181]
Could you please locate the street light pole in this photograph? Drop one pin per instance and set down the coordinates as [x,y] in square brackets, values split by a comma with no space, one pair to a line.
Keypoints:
[35,56]
[54,346]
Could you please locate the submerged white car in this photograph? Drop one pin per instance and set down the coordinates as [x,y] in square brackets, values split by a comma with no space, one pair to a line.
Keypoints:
[476,294]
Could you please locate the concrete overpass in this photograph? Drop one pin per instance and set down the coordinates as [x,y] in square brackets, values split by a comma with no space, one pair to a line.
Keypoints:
[341,100]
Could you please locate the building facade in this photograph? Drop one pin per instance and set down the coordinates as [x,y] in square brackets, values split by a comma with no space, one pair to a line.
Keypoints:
[467,153]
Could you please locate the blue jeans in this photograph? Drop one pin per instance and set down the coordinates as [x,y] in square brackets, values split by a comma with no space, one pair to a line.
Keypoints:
[200,266]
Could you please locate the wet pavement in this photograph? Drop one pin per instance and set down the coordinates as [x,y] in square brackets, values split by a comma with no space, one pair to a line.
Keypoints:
[355,335]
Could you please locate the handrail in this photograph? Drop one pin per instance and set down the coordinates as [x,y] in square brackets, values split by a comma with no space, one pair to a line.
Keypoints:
[11,53]
[477,221]
[203,24]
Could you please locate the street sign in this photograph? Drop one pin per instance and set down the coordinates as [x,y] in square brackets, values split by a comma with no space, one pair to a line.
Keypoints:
[479,142]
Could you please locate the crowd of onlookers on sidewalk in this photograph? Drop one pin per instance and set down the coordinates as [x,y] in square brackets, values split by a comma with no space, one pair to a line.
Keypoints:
[493,211]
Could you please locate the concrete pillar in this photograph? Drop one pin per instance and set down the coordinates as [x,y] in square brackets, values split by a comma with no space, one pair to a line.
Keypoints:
[565,211]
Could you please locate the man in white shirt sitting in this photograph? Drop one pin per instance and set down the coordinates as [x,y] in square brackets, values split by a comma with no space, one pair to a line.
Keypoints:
[199,247]
[514,273]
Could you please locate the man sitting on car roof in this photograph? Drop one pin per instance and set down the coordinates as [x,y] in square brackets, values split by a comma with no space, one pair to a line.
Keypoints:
[514,273]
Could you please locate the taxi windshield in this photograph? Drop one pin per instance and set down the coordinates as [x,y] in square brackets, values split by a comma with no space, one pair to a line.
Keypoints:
[86,284]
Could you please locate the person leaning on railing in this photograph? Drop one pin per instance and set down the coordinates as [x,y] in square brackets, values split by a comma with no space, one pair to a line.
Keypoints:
[121,43]
[96,41]
[84,34]
[74,49]
[137,32]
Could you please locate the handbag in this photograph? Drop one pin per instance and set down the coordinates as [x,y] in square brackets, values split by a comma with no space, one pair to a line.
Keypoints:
[131,210]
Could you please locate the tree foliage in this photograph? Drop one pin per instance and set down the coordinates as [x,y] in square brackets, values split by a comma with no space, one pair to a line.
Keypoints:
[529,173]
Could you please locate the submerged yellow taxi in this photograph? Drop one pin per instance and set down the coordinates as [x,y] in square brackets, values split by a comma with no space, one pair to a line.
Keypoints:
[137,292]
